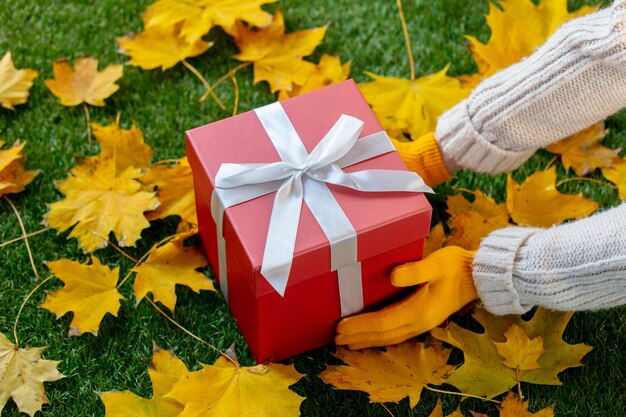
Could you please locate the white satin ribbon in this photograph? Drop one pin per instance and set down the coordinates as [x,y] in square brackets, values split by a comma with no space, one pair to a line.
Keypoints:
[301,176]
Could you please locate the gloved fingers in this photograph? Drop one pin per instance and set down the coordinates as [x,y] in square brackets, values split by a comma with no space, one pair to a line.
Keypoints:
[434,267]
[373,339]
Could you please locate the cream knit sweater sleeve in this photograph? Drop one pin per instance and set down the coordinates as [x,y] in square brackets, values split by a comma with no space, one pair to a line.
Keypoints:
[577,78]
[576,266]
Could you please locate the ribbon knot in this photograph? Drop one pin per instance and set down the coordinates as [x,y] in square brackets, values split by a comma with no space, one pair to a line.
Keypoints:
[301,176]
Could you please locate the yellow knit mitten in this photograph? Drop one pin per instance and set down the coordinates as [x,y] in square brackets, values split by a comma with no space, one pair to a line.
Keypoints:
[424,157]
[447,286]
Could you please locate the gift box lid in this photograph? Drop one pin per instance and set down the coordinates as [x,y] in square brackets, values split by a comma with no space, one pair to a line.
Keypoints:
[382,220]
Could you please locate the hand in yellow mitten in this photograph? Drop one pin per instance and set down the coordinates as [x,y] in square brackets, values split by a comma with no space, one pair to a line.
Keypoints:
[447,286]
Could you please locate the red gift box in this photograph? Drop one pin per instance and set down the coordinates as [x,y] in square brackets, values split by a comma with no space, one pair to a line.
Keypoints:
[390,227]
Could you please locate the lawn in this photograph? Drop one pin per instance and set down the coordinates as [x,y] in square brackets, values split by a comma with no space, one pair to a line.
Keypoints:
[164,105]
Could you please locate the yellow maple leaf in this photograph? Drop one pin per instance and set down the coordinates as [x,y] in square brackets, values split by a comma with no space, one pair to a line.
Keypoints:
[472,221]
[175,192]
[438,411]
[160,47]
[512,407]
[485,372]
[412,106]
[328,71]
[165,370]
[85,84]
[538,203]
[276,56]
[14,83]
[583,151]
[100,199]
[13,177]
[435,240]
[519,351]
[517,29]
[199,16]
[126,146]
[227,390]
[167,266]
[22,374]
[617,175]
[90,292]
[391,375]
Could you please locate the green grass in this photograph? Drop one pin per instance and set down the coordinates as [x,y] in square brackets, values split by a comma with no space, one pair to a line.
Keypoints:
[163,104]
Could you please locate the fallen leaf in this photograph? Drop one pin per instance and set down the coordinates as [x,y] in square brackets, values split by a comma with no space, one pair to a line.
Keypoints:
[472,221]
[167,266]
[90,292]
[328,71]
[391,375]
[278,57]
[99,199]
[165,370]
[160,47]
[199,16]
[518,27]
[617,175]
[85,84]
[435,240]
[583,151]
[13,177]
[519,351]
[538,203]
[438,411]
[226,390]
[22,374]
[175,192]
[126,146]
[14,83]
[484,371]
[512,407]
[412,106]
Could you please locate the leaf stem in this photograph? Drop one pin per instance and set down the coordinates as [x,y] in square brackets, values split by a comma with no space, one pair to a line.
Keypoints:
[19,312]
[386,409]
[166,161]
[205,83]
[117,248]
[24,235]
[585,180]
[236,85]
[553,160]
[407,41]
[17,239]
[224,78]
[461,394]
[465,190]
[86,109]
[175,323]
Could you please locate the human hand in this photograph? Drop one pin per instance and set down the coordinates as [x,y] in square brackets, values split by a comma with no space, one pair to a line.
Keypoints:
[446,287]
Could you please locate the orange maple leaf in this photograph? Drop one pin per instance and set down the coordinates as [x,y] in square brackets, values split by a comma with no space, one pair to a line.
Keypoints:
[13,177]
[328,71]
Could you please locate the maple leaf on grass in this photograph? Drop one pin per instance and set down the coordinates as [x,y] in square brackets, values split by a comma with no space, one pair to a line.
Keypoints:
[512,407]
[13,177]
[22,375]
[167,266]
[518,27]
[160,46]
[583,151]
[435,240]
[85,84]
[165,370]
[412,106]
[472,221]
[328,71]
[175,192]
[617,175]
[90,292]
[199,16]
[127,146]
[393,374]
[538,203]
[275,55]
[438,411]
[227,390]
[14,83]
[509,352]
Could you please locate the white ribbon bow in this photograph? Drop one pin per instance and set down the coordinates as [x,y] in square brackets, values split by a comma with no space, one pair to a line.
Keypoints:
[302,176]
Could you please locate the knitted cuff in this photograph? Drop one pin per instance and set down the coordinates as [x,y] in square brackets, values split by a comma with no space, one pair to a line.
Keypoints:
[463,147]
[423,156]
[493,270]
